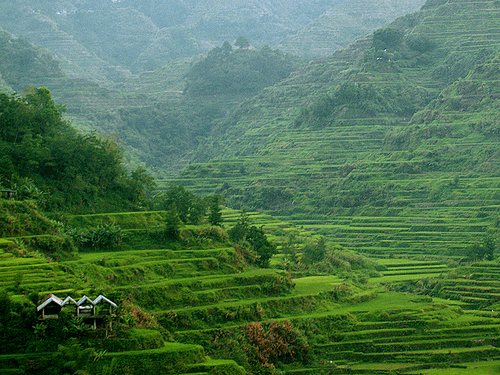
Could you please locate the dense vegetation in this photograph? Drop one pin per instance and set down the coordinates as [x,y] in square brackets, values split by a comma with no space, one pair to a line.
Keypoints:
[227,71]
[22,65]
[45,159]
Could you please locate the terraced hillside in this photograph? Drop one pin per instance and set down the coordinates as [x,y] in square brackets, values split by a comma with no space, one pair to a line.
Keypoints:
[144,271]
[107,41]
[375,146]
[406,316]
[342,23]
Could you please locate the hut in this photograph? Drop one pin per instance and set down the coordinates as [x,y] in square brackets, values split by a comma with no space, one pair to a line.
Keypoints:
[50,308]
[9,194]
[85,308]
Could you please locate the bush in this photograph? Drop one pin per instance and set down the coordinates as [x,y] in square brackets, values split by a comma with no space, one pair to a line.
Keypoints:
[60,247]
[103,237]
[388,38]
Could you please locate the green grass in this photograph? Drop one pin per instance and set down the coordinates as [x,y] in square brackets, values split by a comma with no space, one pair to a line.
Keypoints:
[315,284]
[476,368]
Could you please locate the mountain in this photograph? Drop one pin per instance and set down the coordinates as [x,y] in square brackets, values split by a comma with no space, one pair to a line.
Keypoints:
[110,40]
[388,145]
[122,65]
[343,22]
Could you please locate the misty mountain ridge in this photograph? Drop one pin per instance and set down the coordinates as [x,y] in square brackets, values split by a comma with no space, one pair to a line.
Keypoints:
[110,40]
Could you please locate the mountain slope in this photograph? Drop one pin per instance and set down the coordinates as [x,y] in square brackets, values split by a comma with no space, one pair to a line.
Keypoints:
[109,40]
[339,25]
[329,146]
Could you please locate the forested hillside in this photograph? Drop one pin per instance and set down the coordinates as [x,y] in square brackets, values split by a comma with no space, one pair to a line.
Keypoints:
[43,158]
[126,60]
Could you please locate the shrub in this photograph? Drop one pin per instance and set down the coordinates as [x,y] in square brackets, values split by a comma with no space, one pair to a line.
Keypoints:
[108,236]
[58,247]
[387,38]
[279,343]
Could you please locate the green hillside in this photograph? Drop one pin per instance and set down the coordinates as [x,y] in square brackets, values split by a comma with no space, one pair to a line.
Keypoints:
[343,219]
[182,300]
[120,66]
[344,22]
[388,146]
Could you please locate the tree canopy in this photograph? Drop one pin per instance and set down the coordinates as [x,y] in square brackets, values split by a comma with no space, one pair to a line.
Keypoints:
[234,71]
[41,152]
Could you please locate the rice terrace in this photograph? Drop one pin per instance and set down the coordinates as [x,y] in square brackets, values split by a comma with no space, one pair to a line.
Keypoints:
[261,188]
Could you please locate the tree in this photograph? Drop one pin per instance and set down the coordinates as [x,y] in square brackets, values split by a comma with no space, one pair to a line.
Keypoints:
[388,38]
[226,48]
[261,245]
[190,208]
[37,144]
[255,237]
[214,211]
[140,184]
[239,231]
[242,42]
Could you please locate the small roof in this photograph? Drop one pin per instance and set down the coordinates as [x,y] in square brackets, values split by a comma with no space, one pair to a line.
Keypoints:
[84,299]
[68,300]
[102,298]
[49,299]
[53,298]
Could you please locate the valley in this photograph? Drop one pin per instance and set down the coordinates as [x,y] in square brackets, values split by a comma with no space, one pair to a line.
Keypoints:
[250,210]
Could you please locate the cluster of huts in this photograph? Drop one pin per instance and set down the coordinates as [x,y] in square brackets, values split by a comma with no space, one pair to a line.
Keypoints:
[93,312]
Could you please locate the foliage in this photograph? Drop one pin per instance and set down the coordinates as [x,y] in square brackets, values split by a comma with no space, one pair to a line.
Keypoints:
[242,42]
[108,236]
[171,229]
[482,250]
[23,65]
[215,214]
[238,231]
[227,71]
[19,218]
[72,358]
[314,251]
[74,171]
[356,100]
[256,239]
[134,316]
[260,348]
[59,247]
[278,343]
[388,38]
[189,207]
